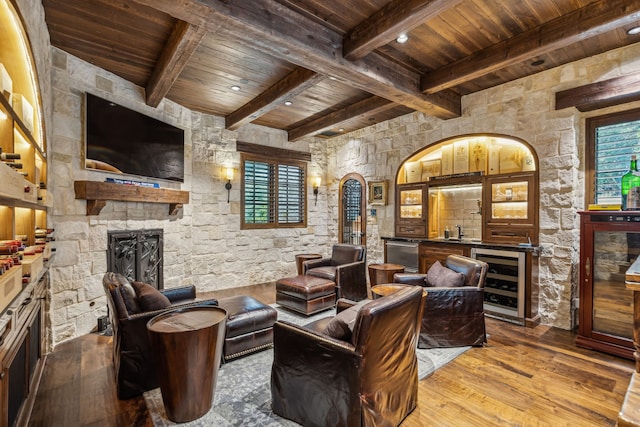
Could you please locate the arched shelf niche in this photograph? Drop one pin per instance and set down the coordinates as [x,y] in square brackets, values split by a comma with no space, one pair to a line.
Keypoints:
[485,183]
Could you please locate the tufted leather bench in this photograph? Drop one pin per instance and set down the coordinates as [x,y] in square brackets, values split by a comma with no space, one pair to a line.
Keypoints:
[249,326]
[306,294]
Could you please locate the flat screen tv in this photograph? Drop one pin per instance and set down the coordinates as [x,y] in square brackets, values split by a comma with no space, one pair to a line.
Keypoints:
[124,141]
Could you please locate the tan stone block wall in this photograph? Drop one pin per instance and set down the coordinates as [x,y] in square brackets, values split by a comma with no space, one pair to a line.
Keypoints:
[523,109]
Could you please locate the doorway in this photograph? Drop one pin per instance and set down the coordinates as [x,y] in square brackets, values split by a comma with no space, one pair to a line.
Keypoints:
[352,207]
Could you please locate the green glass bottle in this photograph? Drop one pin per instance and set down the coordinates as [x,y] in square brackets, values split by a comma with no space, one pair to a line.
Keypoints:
[629,180]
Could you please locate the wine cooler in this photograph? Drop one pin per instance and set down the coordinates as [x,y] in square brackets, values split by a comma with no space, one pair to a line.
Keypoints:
[504,289]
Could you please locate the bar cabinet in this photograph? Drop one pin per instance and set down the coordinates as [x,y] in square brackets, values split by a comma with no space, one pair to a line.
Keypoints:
[609,244]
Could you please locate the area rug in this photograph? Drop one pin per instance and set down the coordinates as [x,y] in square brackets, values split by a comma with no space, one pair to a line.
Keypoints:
[243,393]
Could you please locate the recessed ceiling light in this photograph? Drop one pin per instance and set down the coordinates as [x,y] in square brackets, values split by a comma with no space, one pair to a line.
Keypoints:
[288,102]
[236,88]
[341,129]
[633,31]
[402,38]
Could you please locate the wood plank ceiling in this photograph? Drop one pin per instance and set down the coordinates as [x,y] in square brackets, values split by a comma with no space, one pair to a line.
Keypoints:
[337,62]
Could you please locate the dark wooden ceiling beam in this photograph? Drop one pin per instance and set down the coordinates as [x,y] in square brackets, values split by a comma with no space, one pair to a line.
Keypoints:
[285,34]
[366,107]
[398,16]
[292,85]
[603,94]
[184,40]
[595,18]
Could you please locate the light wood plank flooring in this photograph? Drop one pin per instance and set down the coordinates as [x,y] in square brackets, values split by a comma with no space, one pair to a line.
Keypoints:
[523,377]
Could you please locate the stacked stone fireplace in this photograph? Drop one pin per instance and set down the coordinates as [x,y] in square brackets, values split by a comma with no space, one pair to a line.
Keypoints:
[137,254]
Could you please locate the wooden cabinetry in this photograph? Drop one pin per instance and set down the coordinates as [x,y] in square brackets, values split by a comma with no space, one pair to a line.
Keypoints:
[609,244]
[430,253]
[21,351]
[411,215]
[510,208]
[485,186]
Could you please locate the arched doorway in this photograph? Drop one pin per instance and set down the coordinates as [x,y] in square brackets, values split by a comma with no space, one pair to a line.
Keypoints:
[352,207]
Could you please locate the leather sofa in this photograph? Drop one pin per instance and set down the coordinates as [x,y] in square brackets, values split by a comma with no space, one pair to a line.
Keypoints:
[346,268]
[367,377]
[452,316]
[132,357]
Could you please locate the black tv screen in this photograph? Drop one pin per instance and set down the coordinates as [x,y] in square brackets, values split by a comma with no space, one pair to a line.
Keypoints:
[124,141]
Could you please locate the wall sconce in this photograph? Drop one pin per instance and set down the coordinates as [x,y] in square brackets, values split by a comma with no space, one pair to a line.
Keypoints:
[316,185]
[229,176]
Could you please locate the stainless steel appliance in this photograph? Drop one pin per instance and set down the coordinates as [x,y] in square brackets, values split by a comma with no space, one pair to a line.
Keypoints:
[403,253]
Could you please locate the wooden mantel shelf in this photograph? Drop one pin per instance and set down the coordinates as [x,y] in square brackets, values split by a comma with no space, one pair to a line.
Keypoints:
[97,193]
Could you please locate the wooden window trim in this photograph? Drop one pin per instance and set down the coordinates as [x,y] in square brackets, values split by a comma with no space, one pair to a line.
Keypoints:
[590,146]
[277,161]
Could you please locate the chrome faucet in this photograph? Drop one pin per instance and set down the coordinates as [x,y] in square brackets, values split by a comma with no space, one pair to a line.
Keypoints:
[460,233]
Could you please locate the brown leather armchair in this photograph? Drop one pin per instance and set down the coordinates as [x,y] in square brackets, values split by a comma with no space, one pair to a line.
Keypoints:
[452,316]
[367,379]
[346,267]
[132,357]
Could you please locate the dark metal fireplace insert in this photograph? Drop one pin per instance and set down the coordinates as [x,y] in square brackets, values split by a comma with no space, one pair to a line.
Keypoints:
[137,254]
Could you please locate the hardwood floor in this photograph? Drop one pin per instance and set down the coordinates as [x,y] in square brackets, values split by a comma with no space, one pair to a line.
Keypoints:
[522,377]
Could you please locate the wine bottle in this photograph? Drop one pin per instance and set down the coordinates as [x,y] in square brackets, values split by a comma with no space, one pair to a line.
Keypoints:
[14,165]
[9,156]
[630,180]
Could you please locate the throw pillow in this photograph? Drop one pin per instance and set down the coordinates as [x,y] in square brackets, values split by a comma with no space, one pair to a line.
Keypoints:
[130,298]
[341,326]
[150,298]
[443,277]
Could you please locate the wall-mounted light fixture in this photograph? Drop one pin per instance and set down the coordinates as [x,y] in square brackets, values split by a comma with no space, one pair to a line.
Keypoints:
[316,187]
[229,176]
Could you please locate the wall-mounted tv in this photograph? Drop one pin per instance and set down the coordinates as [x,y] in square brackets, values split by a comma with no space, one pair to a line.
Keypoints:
[124,141]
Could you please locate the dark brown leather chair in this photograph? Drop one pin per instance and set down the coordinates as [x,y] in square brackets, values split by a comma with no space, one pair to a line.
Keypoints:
[452,316]
[132,358]
[367,379]
[346,268]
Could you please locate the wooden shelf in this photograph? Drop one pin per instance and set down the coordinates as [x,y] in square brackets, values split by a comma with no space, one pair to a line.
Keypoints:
[97,193]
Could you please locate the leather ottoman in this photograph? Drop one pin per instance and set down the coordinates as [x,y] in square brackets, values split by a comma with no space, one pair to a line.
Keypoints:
[306,294]
[249,326]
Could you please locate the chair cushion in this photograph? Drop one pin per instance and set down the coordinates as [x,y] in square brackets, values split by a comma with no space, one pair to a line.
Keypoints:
[443,277]
[341,326]
[149,298]
[119,284]
[327,272]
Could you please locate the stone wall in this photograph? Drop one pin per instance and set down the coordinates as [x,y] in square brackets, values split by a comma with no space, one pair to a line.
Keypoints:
[524,109]
[203,244]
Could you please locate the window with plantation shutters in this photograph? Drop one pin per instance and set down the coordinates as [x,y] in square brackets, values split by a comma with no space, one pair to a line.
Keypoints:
[273,193]
[611,140]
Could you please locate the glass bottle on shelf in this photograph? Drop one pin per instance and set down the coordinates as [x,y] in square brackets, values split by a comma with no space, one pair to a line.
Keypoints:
[630,180]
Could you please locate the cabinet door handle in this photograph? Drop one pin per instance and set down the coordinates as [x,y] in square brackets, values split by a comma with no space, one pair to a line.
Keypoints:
[587,268]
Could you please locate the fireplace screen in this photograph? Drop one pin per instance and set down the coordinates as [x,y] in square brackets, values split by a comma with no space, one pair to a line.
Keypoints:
[137,255]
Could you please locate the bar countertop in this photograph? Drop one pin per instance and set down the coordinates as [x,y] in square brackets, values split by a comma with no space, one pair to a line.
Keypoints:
[469,242]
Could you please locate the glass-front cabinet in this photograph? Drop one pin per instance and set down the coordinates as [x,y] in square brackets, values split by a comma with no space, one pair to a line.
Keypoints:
[411,210]
[510,213]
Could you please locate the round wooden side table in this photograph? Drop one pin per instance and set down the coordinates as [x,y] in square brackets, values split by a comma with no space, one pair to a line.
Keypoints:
[187,344]
[300,258]
[383,273]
